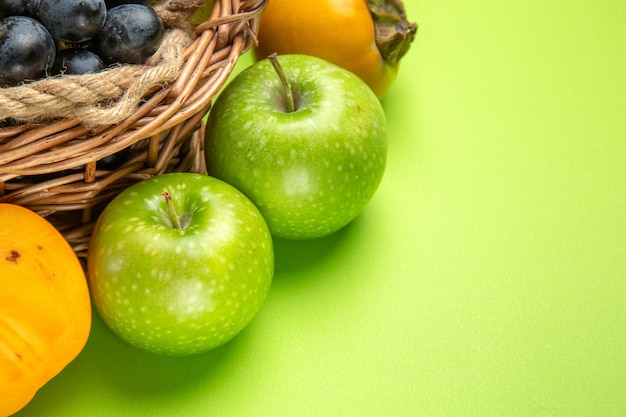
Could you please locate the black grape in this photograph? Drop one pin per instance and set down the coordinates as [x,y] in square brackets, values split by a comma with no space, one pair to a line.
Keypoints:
[131,34]
[76,61]
[72,21]
[113,3]
[26,50]
[18,8]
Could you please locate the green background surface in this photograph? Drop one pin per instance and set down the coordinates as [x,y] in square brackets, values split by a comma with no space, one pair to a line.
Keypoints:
[487,277]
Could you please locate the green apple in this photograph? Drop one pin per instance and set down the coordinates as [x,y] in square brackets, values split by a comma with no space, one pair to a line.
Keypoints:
[304,139]
[179,263]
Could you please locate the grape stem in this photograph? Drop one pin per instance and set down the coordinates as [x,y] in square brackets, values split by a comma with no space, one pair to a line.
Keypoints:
[291,107]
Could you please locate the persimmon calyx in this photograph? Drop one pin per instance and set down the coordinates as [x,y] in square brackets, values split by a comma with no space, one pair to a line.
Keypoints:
[394,34]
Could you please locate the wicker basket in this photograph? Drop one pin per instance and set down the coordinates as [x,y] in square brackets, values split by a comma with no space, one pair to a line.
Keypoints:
[54,165]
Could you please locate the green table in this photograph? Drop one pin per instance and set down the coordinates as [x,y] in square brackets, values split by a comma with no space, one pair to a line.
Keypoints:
[486,278]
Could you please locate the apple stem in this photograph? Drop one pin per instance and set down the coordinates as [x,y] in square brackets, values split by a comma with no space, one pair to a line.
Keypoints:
[172,210]
[291,107]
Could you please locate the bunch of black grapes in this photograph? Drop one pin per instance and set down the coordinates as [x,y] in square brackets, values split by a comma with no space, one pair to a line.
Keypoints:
[40,38]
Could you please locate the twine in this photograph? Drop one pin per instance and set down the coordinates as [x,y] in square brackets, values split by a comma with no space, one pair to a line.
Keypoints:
[103,98]
[177,13]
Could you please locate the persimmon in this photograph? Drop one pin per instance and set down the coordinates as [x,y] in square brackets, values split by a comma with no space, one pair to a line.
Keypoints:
[45,307]
[366,37]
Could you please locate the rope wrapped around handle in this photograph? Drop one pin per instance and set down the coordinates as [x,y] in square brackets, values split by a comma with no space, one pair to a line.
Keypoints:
[106,97]
[111,96]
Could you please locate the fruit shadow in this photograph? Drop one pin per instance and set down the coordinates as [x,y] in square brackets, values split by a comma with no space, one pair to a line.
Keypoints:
[294,256]
[137,374]
[142,376]
[131,376]
[109,364]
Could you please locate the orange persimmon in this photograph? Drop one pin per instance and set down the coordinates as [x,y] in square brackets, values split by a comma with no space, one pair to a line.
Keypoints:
[45,308]
[366,37]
